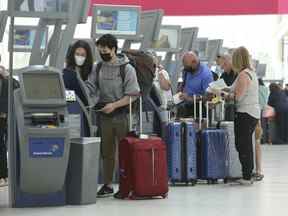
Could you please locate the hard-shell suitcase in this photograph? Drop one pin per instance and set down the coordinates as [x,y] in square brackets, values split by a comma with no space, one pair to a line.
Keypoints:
[143,165]
[182,154]
[234,162]
[143,168]
[213,154]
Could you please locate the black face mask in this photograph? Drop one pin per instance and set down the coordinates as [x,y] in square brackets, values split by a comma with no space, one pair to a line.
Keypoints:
[106,57]
[190,69]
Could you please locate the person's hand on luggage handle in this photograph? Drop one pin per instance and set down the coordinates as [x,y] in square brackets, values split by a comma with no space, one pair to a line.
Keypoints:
[184,96]
[109,108]
[226,96]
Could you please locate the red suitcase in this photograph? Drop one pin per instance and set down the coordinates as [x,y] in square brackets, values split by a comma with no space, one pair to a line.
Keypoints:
[143,166]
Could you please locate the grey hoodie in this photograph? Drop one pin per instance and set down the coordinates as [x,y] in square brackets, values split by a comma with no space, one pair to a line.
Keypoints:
[111,86]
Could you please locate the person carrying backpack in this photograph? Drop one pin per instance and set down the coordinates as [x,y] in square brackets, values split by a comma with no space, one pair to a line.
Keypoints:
[115,80]
[4,85]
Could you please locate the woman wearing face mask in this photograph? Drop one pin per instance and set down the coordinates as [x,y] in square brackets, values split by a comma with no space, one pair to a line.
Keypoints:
[79,64]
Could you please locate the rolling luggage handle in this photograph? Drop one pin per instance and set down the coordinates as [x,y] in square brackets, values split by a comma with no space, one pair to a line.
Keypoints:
[213,116]
[142,136]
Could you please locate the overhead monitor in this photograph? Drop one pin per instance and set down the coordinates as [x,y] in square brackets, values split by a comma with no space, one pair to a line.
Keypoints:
[213,49]
[40,8]
[150,26]
[42,86]
[261,70]
[3,21]
[85,5]
[255,63]
[188,37]
[168,39]
[119,20]
[24,37]
[201,47]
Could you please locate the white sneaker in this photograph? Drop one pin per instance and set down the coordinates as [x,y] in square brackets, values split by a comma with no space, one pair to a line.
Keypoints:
[245,182]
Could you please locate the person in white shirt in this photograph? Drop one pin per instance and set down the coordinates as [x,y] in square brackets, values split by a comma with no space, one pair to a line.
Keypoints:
[163,85]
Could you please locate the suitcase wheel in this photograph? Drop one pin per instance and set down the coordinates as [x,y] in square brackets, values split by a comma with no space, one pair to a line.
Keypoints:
[194,182]
[209,181]
[132,197]
[165,196]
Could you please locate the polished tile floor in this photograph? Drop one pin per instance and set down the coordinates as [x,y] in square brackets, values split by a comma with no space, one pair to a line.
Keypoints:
[267,198]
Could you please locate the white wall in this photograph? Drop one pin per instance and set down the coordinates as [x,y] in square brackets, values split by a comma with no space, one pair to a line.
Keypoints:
[257,33]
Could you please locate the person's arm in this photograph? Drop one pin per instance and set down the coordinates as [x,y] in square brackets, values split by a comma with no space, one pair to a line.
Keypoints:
[164,80]
[92,88]
[238,88]
[206,81]
[110,107]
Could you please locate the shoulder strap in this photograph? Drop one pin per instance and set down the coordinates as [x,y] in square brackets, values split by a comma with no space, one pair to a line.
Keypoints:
[249,75]
[97,71]
[122,71]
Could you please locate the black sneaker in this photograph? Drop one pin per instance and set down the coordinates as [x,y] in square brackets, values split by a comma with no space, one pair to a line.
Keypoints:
[105,191]
[118,195]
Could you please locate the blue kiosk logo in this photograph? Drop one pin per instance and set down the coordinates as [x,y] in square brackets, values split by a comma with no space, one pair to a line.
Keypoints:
[46,147]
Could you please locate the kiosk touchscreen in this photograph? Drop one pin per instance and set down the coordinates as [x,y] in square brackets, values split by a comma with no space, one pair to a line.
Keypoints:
[169,39]
[121,21]
[42,149]
[24,37]
[56,9]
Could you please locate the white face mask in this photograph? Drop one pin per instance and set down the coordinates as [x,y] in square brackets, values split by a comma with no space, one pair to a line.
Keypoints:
[79,60]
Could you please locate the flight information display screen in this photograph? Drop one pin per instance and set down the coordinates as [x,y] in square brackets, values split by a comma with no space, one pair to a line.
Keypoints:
[116,21]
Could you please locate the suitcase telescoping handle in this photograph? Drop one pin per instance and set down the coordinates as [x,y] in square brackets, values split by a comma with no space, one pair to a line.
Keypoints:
[200,109]
[195,104]
[213,116]
[131,114]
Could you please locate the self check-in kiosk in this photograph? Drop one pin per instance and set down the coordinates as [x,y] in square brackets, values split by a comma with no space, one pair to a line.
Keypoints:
[40,155]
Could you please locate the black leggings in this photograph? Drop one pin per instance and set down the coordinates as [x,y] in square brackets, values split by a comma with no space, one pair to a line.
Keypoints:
[3,149]
[244,128]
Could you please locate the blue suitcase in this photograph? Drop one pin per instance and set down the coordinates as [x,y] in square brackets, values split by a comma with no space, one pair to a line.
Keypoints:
[182,154]
[213,155]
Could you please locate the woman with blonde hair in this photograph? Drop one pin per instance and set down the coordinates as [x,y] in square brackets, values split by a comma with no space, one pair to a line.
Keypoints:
[245,93]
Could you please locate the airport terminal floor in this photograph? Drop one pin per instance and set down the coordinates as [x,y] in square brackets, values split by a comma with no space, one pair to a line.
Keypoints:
[265,198]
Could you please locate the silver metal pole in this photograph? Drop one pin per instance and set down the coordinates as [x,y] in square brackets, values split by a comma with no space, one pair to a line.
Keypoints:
[11,119]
